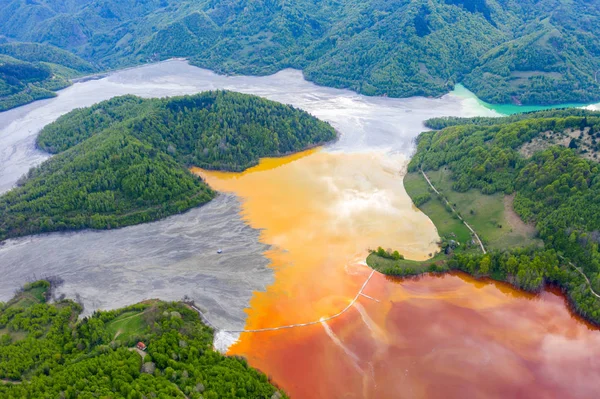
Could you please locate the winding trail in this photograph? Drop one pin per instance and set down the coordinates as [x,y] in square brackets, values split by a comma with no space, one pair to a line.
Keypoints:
[584,276]
[202,316]
[7,381]
[483,248]
[454,210]
[322,320]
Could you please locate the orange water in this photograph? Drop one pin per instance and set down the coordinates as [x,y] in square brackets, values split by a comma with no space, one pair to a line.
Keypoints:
[441,337]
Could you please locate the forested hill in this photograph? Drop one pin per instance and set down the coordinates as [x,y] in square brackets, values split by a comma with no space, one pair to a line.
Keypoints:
[529,51]
[549,161]
[30,71]
[215,130]
[46,352]
[125,161]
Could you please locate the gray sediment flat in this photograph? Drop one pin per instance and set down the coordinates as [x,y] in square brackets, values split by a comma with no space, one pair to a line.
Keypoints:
[167,259]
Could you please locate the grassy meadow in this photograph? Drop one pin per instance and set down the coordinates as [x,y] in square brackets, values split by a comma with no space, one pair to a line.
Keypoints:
[491,216]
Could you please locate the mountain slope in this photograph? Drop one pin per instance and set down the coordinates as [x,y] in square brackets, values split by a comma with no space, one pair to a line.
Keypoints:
[531,51]
[31,71]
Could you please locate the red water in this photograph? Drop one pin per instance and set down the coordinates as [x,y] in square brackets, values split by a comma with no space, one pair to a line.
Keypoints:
[447,337]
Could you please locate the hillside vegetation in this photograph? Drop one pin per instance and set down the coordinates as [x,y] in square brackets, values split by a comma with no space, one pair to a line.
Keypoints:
[124,161]
[530,52]
[30,72]
[46,352]
[555,189]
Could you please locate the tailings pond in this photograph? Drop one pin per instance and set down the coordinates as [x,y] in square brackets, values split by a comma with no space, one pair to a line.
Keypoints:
[295,233]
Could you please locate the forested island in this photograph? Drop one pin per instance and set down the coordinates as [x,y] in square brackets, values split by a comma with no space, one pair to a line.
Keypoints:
[528,52]
[47,352]
[529,188]
[125,161]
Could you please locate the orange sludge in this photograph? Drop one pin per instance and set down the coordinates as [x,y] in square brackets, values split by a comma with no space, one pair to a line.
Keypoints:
[434,336]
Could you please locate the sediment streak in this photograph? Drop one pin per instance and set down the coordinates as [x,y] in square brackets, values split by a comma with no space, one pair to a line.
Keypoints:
[321,320]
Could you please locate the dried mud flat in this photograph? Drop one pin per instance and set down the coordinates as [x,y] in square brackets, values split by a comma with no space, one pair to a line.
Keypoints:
[167,259]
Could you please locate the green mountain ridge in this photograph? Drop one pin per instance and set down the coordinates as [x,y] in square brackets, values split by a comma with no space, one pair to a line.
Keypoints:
[530,52]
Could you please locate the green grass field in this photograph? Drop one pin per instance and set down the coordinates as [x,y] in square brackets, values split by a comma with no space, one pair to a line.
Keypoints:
[28,297]
[490,215]
[446,224]
[127,326]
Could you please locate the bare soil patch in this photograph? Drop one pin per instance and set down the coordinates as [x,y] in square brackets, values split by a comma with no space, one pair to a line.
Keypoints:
[587,145]
[516,223]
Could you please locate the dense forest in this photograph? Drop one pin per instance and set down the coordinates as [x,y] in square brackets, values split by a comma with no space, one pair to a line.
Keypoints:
[46,352]
[213,130]
[530,52]
[30,72]
[124,161]
[555,188]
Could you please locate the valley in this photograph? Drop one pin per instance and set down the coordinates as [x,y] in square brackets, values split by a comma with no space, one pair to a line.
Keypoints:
[162,257]
[294,233]
[273,199]
[529,52]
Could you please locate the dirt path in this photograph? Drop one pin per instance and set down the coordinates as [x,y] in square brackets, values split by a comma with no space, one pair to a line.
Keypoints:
[584,276]
[133,315]
[202,317]
[141,352]
[454,210]
[10,382]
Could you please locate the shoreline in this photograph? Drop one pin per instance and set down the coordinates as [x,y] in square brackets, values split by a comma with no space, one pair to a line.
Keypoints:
[491,106]
[551,288]
[442,261]
[106,73]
